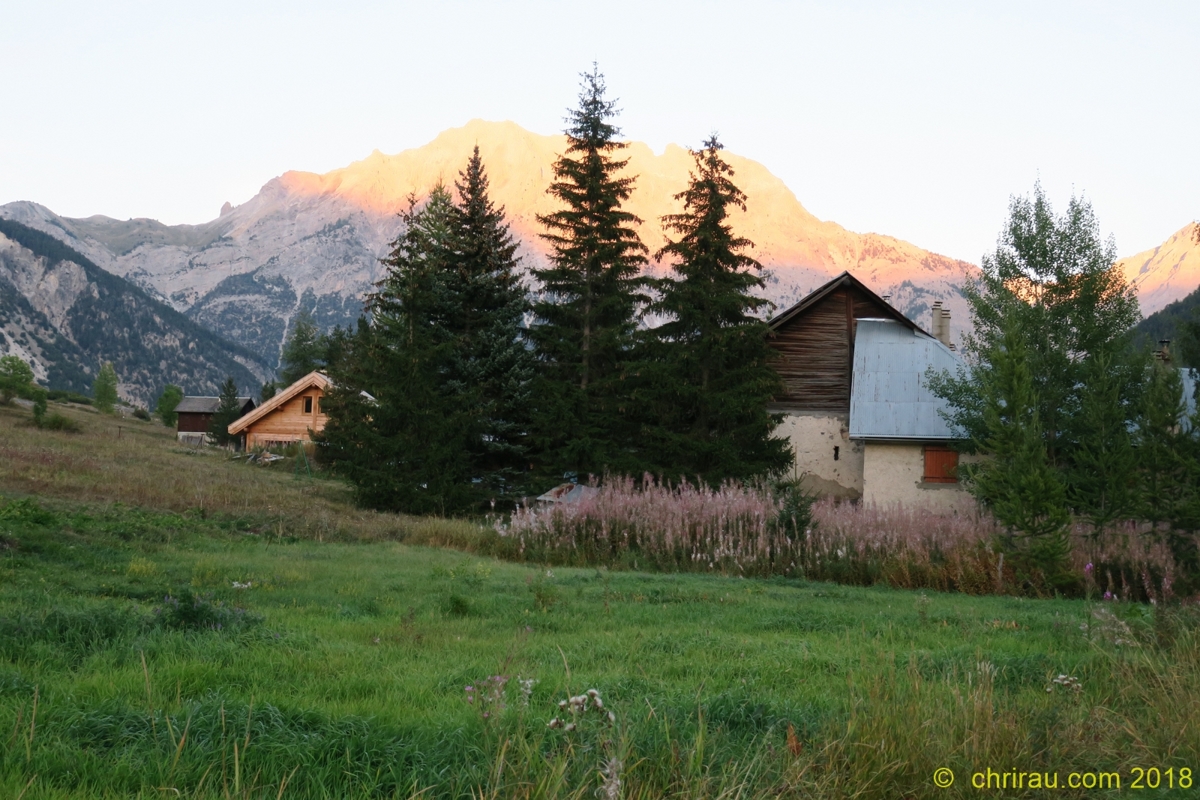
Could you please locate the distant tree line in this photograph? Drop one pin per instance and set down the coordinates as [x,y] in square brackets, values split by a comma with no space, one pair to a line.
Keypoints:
[1074,420]
[463,387]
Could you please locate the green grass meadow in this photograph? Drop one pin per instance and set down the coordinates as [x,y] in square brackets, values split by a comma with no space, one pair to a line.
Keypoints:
[340,669]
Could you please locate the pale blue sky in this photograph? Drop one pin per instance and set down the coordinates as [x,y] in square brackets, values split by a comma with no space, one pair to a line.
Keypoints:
[912,119]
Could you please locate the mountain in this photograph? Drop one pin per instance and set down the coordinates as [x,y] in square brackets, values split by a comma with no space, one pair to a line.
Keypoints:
[308,240]
[1167,272]
[1168,324]
[66,316]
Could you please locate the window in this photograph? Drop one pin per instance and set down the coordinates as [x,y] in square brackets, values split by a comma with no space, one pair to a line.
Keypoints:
[308,405]
[941,465]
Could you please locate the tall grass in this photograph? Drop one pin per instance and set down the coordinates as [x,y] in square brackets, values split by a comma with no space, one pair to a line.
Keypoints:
[648,525]
[742,530]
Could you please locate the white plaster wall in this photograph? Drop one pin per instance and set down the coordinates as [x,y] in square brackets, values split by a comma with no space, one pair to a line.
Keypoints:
[893,473]
[813,438]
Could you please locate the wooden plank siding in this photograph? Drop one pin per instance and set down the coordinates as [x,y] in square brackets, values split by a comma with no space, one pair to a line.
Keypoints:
[288,423]
[189,422]
[815,357]
[815,343]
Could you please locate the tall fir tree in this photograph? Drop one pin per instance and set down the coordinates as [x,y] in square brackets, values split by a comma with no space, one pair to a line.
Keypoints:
[491,367]
[1016,482]
[1166,459]
[1102,476]
[710,380]
[405,448]
[591,298]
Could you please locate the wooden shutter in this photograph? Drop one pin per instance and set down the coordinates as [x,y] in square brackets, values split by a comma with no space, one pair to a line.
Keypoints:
[941,465]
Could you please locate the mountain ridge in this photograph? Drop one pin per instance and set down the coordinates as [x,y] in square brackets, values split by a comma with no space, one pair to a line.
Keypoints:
[65,315]
[309,240]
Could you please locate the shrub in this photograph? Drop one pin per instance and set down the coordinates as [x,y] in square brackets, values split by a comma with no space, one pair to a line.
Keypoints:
[63,396]
[25,511]
[190,611]
[142,414]
[57,422]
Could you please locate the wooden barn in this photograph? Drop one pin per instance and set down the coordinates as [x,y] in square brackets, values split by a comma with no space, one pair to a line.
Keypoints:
[853,372]
[291,416]
[195,415]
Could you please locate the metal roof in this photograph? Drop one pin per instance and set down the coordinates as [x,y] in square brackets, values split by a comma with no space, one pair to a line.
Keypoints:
[888,396]
[205,405]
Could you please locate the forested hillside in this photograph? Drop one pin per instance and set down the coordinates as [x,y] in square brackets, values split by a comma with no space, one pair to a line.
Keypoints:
[1179,322]
[66,316]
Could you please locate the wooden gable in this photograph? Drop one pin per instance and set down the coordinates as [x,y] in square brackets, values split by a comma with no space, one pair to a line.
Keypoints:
[814,340]
[289,416]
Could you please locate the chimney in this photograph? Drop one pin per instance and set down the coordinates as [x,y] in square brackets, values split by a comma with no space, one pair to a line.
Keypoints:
[941,323]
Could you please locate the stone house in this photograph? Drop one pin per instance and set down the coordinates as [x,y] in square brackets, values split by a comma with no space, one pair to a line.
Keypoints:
[857,411]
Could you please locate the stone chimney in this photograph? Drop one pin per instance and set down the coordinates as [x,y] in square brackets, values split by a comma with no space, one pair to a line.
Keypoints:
[940,327]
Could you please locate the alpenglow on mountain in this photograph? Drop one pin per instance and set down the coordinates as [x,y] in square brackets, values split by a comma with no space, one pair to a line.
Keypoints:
[314,241]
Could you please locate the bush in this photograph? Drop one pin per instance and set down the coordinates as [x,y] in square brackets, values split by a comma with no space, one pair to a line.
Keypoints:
[25,511]
[63,396]
[190,611]
[58,422]
[142,414]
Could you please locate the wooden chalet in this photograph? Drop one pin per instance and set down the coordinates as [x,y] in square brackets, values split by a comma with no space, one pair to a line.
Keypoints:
[815,342]
[291,416]
[195,415]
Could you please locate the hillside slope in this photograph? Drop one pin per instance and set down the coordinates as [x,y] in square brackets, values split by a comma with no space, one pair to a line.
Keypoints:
[315,240]
[66,316]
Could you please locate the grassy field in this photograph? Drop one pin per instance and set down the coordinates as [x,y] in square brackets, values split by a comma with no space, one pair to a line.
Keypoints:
[173,624]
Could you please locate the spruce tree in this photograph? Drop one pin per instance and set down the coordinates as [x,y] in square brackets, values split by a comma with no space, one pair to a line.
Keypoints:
[590,299]
[303,351]
[1102,475]
[104,389]
[405,449]
[229,410]
[1016,482]
[711,380]
[1158,439]
[491,367]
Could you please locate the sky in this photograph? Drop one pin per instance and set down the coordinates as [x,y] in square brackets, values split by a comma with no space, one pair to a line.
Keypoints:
[916,120]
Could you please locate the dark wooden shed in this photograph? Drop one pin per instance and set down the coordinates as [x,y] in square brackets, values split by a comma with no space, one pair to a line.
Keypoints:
[195,414]
[815,342]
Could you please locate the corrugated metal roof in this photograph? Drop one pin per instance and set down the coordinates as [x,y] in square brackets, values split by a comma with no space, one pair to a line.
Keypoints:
[888,397]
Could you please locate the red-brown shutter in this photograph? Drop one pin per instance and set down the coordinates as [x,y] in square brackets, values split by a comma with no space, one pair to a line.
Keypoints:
[941,465]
